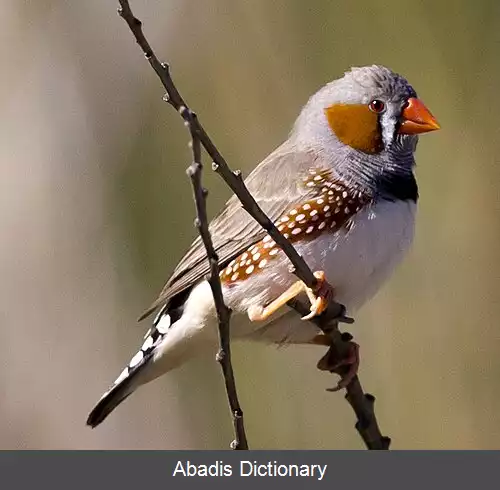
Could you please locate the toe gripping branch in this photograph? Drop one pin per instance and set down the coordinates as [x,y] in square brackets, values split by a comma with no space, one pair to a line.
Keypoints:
[344,364]
[342,358]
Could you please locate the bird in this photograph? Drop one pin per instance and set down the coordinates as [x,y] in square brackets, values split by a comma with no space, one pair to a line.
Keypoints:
[341,189]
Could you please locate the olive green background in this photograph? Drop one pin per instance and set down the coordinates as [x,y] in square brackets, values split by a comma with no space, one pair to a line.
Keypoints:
[95,210]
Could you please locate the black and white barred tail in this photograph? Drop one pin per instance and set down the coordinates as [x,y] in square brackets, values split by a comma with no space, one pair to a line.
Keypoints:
[134,375]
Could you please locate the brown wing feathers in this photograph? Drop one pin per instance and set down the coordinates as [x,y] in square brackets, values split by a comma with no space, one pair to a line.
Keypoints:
[307,202]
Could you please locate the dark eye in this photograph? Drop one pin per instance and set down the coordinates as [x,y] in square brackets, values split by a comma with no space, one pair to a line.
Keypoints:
[376,106]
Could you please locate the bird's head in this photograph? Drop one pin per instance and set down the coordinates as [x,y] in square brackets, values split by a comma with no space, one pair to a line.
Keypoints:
[369,109]
[366,124]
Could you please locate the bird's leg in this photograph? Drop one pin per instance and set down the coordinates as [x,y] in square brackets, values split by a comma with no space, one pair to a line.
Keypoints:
[258,313]
[345,366]
[319,299]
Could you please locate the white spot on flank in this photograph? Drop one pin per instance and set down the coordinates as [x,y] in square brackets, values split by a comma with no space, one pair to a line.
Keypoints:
[286,235]
[235,276]
[293,211]
[256,257]
[321,225]
[262,263]
[320,200]
[274,251]
[313,212]
[306,206]
[267,238]
[136,359]
[318,177]
[310,229]
[236,267]
[346,210]
[285,218]
[296,231]
[291,225]
[315,218]
[327,215]
[326,208]
[250,269]
[310,184]
[344,194]
[244,257]
[248,262]
[229,270]
[300,217]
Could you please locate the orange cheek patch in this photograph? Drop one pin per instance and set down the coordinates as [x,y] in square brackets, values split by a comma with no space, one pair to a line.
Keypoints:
[355,125]
[331,210]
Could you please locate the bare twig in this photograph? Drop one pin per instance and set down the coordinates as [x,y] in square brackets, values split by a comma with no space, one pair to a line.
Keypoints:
[232,179]
[361,403]
[223,312]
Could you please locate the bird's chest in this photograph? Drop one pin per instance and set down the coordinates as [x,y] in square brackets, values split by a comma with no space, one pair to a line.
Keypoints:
[359,259]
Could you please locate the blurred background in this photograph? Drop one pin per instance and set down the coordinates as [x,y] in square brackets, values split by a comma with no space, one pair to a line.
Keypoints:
[96,209]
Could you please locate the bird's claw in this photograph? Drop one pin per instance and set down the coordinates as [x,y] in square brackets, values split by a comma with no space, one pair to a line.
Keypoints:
[346,367]
[320,297]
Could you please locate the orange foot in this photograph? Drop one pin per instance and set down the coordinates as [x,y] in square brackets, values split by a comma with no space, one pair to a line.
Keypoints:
[319,298]
[346,367]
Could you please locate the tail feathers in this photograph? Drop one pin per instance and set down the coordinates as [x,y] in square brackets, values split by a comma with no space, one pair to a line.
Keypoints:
[133,376]
[107,404]
[122,388]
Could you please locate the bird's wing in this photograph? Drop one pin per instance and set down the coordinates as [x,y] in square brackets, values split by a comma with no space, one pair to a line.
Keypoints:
[277,184]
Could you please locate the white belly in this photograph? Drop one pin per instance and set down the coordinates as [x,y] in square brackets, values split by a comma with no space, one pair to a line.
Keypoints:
[356,262]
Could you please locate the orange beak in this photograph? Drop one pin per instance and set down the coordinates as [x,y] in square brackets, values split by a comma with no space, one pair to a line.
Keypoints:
[417,118]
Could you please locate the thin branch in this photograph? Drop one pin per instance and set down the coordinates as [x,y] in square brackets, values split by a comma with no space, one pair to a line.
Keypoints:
[361,403]
[232,179]
[223,312]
